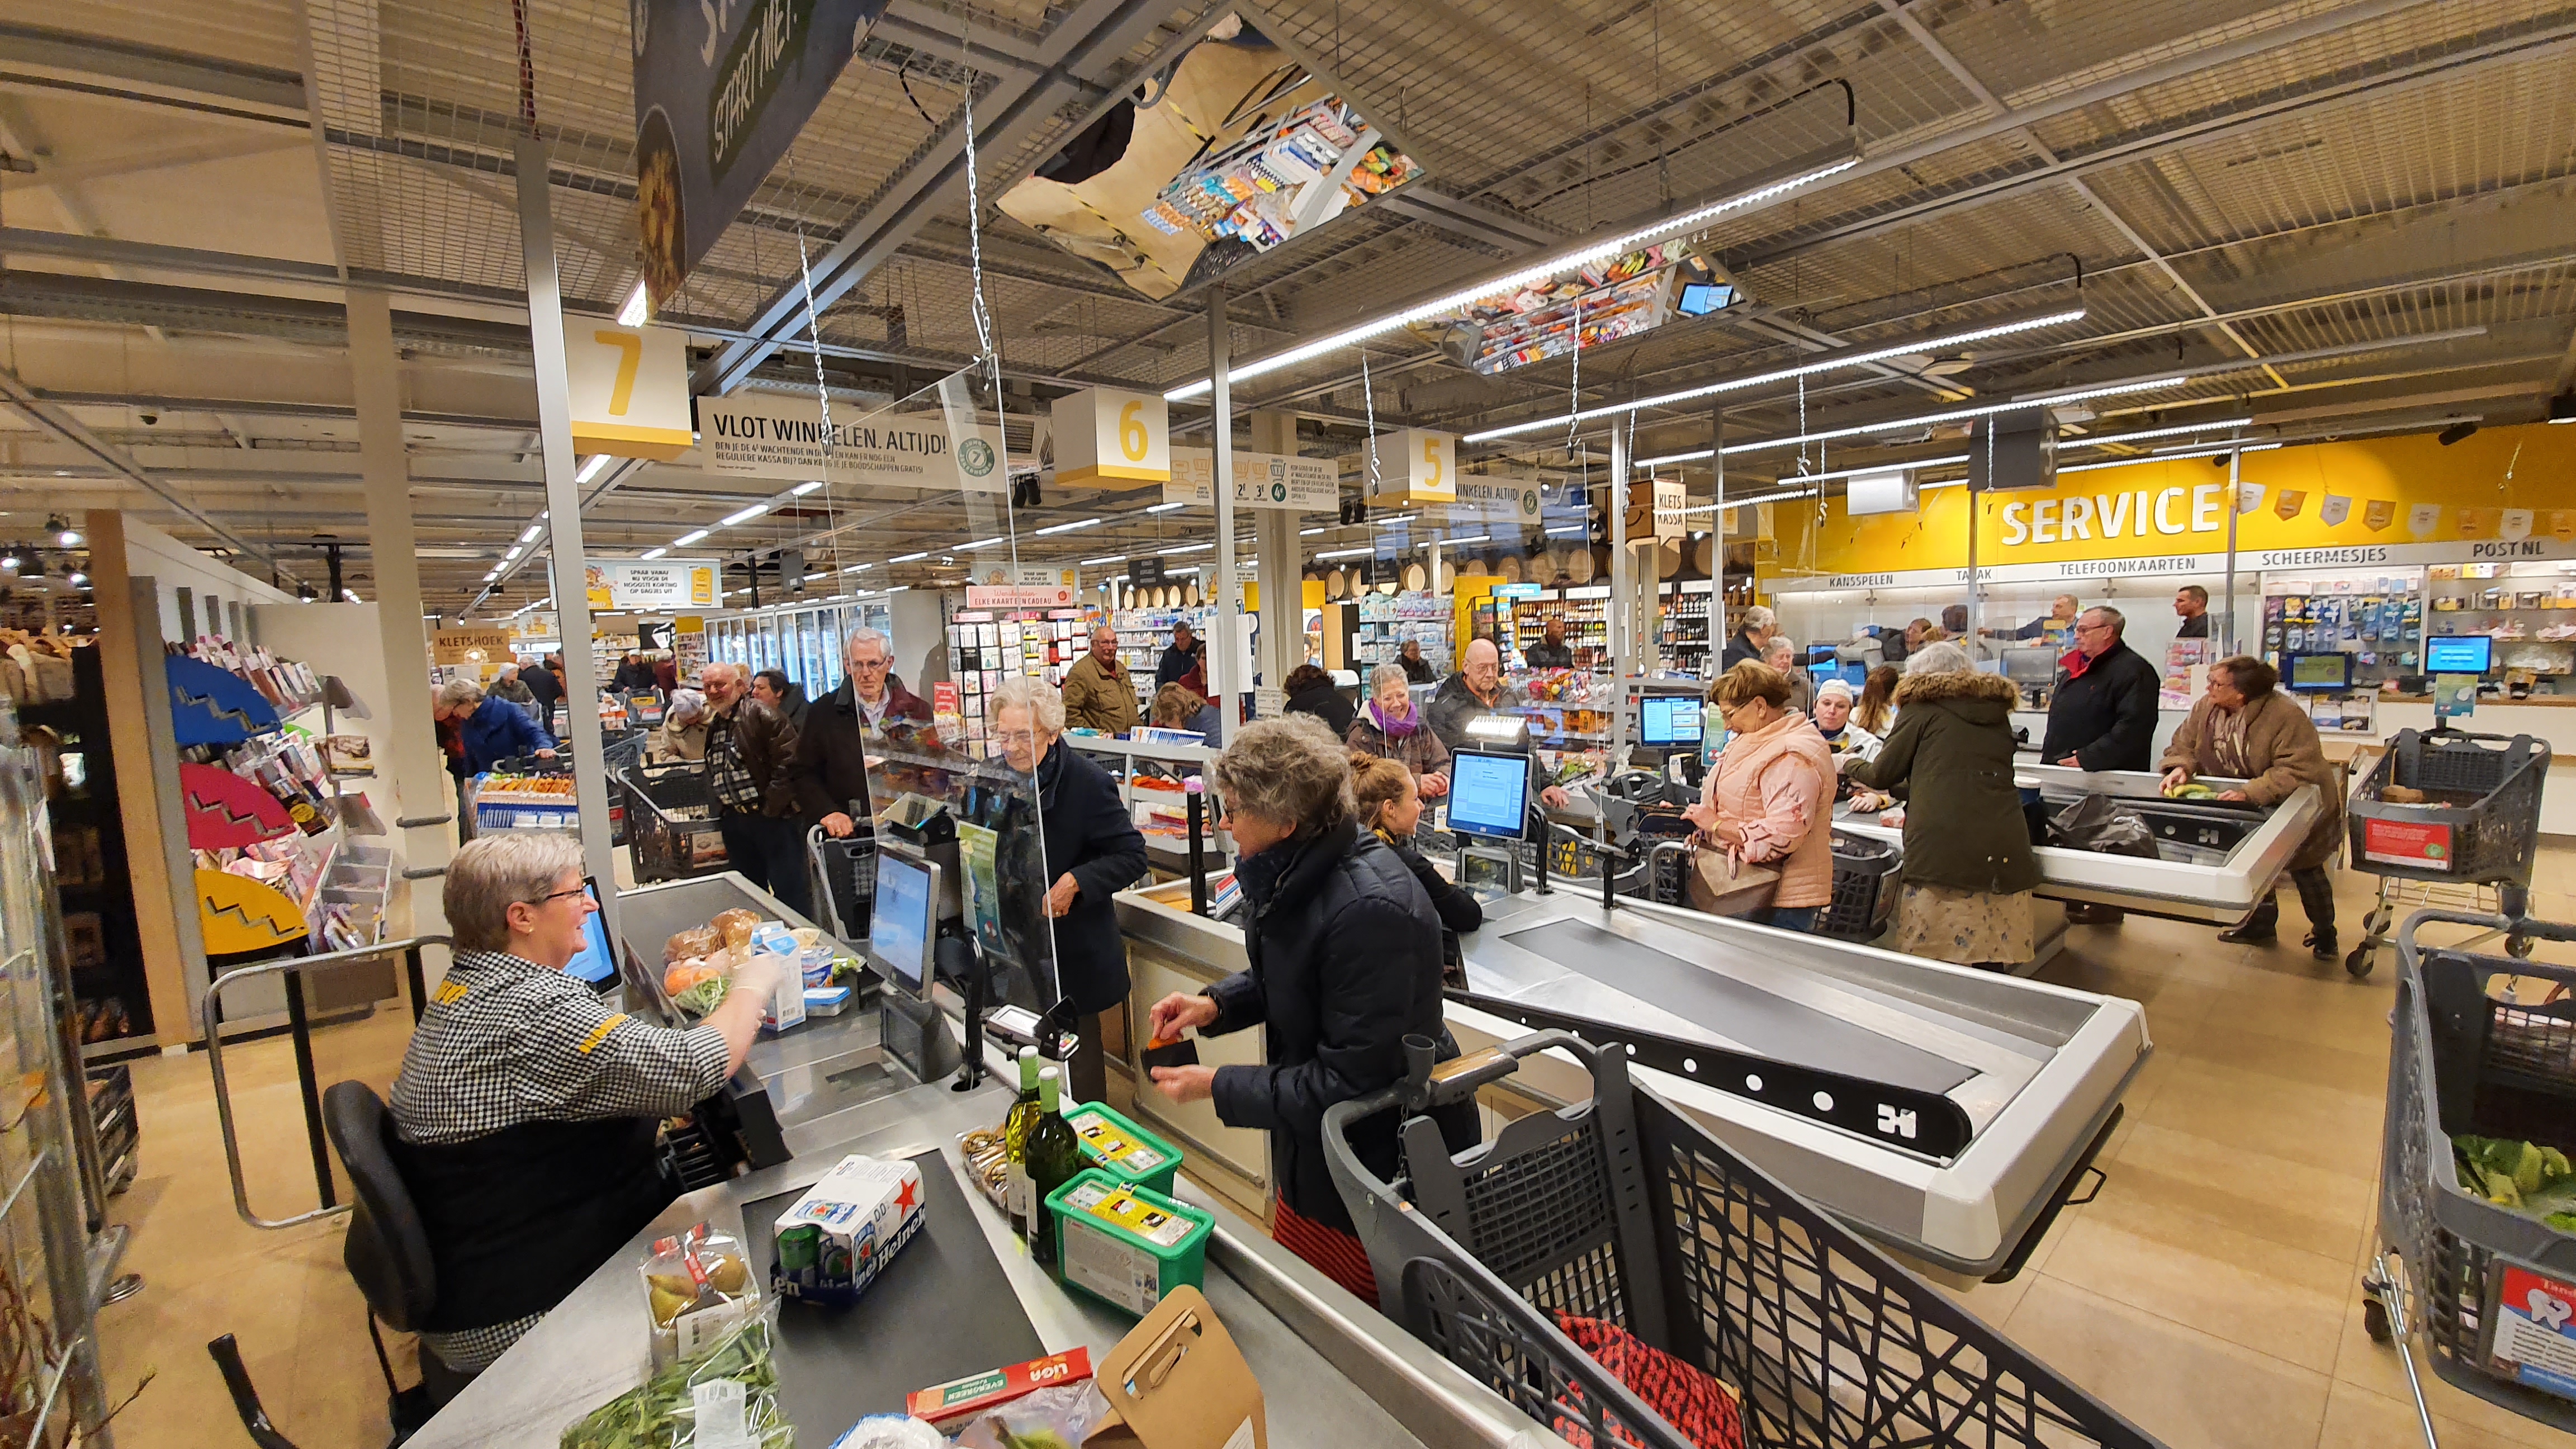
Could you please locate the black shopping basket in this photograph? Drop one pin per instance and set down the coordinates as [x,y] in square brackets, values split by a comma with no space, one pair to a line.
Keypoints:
[2464,1060]
[2478,825]
[1623,1211]
[845,880]
[671,823]
[1864,888]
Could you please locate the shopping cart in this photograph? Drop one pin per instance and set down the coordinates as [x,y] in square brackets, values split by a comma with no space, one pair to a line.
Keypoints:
[2477,826]
[1622,1212]
[2481,1285]
[671,822]
[1865,874]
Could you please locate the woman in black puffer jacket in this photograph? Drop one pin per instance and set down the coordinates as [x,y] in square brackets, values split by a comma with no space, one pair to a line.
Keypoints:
[1345,963]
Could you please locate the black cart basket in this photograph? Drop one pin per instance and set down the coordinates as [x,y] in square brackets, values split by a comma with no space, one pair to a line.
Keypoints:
[1624,1212]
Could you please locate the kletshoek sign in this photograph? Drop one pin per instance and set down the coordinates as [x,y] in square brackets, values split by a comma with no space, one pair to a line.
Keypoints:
[721,89]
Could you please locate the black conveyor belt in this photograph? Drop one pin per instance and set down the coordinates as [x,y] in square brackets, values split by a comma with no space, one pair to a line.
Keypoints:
[1758,1021]
[941,1310]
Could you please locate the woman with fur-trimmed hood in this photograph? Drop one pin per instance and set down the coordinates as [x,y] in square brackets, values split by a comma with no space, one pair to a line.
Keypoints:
[1968,870]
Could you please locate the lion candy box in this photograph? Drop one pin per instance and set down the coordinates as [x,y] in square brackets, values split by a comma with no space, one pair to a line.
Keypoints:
[841,1234]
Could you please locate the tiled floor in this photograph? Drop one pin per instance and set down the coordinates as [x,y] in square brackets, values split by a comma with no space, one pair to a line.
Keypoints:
[2211,1294]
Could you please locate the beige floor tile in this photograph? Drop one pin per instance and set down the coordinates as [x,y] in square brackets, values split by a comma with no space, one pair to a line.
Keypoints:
[2280,1201]
[2261,1295]
[2356,1418]
[2232,1041]
[2184,1386]
[2321,1126]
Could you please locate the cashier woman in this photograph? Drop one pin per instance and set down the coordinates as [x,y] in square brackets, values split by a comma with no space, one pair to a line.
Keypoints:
[1344,962]
[525,1110]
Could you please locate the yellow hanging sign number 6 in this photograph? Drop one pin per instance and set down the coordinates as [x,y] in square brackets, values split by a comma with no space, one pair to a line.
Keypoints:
[1133,440]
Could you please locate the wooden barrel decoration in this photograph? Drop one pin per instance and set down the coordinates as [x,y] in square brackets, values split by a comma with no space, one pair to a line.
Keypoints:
[1578,566]
[1448,580]
[1335,585]
[1415,577]
[1704,556]
[1668,559]
[1511,573]
[1190,594]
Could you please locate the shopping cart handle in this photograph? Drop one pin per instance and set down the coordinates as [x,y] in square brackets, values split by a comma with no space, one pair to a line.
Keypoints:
[2525,926]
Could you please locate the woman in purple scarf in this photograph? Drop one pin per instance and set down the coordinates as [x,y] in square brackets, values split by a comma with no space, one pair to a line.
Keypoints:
[1390,727]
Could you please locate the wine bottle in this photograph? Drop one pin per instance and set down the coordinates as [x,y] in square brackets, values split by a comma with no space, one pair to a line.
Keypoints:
[1015,1142]
[1054,1156]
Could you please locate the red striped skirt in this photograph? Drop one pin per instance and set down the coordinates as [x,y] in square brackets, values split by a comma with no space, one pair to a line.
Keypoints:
[1330,1251]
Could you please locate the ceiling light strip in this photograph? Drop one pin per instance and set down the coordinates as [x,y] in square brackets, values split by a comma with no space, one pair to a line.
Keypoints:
[1924,420]
[1499,286]
[1785,374]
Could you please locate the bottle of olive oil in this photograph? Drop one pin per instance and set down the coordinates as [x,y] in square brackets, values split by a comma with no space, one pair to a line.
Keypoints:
[1015,1141]
[1054,1156]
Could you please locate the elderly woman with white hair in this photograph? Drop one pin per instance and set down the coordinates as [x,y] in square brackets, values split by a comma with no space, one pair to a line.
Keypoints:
[683,735]
[1344,963]
[490,728]
[1782,654]
[1968,871]
[1389,727]
[1095,851]
[525,1111]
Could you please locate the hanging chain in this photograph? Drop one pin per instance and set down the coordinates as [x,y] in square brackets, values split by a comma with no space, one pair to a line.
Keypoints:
[822,391]
[1368,405]
[1574,384]
[982,313]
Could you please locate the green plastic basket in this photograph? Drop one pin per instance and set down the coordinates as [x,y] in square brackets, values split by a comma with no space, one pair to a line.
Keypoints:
[1125,1245]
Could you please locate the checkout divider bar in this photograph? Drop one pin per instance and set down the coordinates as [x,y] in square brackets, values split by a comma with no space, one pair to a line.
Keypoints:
[300,1027]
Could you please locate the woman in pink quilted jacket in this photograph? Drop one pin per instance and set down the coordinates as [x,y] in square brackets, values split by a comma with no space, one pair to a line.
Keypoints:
[1769,796]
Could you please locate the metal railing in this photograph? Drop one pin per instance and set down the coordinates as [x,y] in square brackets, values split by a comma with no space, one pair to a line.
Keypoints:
[300,1027]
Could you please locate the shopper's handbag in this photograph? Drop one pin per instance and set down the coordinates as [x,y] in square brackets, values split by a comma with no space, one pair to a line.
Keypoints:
[1719,883]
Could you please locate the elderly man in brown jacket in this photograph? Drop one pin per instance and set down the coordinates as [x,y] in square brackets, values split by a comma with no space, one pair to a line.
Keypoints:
[2245,728]
[1099,694]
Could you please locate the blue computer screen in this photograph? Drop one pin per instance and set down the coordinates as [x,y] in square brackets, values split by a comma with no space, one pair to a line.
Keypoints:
[1488,795]
[1663,723]
[593,963]
[2458,653]
[899,927]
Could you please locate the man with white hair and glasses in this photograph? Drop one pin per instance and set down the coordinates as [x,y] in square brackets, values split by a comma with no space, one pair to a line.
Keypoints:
[752,781]
[867,710]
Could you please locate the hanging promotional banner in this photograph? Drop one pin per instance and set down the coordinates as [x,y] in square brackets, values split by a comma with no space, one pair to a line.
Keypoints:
[1019,596]
[720,92]
[1483,498]
[780,435]
[1261,480]
[653,586]
[976,463]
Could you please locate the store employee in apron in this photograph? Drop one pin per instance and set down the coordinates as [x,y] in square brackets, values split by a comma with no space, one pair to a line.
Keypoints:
[525,1110]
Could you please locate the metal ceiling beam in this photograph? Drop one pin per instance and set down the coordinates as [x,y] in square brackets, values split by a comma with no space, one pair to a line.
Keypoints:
[2380,76]
[1079,53]
[70,430]
[1995,106]
[57,53]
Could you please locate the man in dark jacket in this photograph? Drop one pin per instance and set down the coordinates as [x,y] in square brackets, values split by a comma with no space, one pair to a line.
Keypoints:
[545,688]
[2103,715]
[771,687]
[632,673]
[832,746]
[666,674]
[752,780]
[1750,635]
[1180,659]
[1551,651]
[1343,955]
[1417,670]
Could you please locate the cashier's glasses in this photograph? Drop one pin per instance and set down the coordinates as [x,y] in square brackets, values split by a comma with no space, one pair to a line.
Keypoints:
[587,886]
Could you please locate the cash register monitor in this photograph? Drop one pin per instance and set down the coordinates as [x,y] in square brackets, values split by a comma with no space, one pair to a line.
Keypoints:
[594,962]
[2458,653]
[2030,668]
[900,929]
[1488,795]
[2329,673]
[1666,721]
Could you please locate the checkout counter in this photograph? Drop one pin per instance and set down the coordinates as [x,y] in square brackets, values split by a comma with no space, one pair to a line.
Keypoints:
[967,1297]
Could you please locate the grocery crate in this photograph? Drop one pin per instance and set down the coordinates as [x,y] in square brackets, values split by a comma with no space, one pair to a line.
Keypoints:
[1864,888]
[671,823]
[2478,826]
[845,881]
[2466,1058]
[1623,1211]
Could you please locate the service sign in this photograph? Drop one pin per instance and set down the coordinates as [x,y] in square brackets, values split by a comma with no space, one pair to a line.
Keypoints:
[779,435]
[721,89]
[630,389]
[1261,480]
[653,586]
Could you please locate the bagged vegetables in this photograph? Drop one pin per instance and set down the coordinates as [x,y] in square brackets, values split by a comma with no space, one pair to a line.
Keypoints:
[661,1414]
